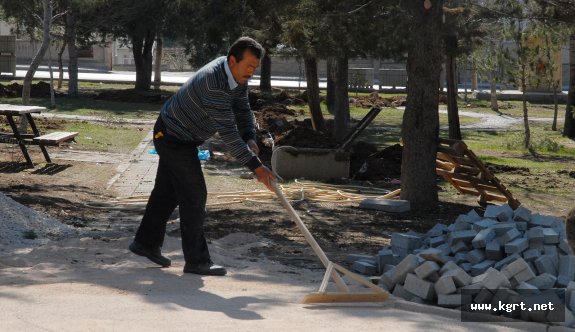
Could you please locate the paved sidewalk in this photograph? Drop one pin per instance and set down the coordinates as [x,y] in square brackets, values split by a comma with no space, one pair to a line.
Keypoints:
[213,305]
[136,175]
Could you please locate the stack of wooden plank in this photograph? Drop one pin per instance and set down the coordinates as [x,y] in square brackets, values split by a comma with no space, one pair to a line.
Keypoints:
[461,167]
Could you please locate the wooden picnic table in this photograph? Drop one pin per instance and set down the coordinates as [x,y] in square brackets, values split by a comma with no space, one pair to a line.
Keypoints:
[23,139]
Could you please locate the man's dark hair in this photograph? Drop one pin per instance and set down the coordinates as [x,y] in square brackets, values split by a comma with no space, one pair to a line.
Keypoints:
[245,43]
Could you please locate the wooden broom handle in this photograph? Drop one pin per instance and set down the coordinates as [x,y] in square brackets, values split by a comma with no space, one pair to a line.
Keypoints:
[307,235]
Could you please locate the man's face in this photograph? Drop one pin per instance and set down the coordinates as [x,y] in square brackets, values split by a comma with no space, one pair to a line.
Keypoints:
[244,69]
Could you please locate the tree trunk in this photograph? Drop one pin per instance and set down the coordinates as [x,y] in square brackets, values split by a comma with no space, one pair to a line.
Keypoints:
[331,78]
[266,75]
[555,109]
[553,84]
[473,78]
[420,129]
[61,64]
[142,50]
[569,126]
[341,100]
[451,72]
[52,95]
[317,120]
[527,140]
[27,86]
[158,63]
[72,53]
[456,81]
[493,84]
[442,78]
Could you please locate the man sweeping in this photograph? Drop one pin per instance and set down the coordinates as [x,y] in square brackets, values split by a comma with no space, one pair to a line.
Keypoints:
[214,100]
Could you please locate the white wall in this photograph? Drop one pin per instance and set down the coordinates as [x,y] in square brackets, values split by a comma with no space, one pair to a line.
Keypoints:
[4,28]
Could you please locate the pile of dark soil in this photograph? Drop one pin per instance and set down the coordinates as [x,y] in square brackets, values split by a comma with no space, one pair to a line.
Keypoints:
[134,96]
[367,163]
[374,100]
[50,123]
[291,98]
[14,90]
[258,100]
[506,169]
[360,152]
[274,118]
[570,173]
[303,136]
[383,165]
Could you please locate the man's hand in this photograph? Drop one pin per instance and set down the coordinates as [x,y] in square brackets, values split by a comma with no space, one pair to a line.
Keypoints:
[266,176]
[253,146]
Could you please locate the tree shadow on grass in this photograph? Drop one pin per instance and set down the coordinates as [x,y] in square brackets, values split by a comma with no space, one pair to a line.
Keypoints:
[547,158]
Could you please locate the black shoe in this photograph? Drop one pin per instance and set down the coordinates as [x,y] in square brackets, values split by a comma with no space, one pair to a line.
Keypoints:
[153,254]
[207,269]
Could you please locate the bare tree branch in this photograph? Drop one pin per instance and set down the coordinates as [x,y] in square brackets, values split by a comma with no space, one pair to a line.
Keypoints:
[360,7]
[58,16]
[33,14]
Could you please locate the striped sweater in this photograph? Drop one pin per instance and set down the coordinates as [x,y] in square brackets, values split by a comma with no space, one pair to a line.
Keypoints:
[206,104]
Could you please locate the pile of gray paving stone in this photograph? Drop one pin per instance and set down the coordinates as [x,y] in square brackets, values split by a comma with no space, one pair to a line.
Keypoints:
[503,254]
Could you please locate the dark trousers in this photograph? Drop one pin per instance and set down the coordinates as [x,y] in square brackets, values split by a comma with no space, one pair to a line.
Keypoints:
[179,182]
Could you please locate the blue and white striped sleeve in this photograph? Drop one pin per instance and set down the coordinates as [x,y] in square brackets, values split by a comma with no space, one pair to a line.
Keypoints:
[245,119]
[217,105]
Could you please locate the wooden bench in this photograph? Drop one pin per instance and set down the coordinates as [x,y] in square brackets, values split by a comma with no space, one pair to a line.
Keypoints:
[54,139]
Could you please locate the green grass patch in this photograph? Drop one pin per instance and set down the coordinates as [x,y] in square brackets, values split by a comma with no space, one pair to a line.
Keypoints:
[514,108]
[381,94]
[91,107]
[105,138]
[550,150]
[90,86]
[544,141]
[387,116]
[535,164]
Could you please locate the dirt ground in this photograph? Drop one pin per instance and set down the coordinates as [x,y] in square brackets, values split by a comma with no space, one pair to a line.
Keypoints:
[62,191]
[340,229]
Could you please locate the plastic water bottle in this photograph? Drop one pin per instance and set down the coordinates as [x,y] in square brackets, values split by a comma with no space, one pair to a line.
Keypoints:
[204,154]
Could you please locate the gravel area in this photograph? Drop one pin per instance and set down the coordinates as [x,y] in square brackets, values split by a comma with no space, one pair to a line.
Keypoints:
[20,225]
